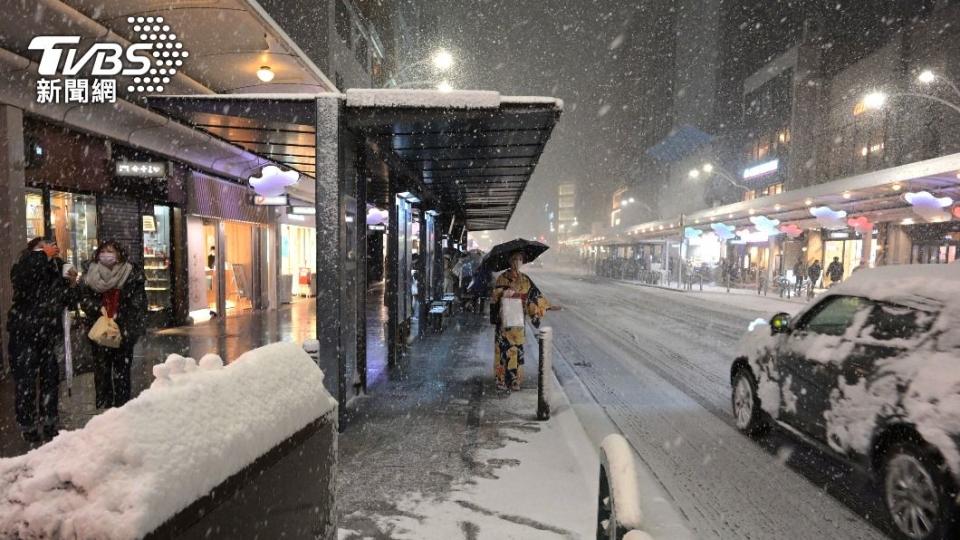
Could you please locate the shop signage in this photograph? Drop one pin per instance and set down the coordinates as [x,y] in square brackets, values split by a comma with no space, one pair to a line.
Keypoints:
[761,169]
[279,200]
[379,227]
[146,65]
[142,169]
[303,210]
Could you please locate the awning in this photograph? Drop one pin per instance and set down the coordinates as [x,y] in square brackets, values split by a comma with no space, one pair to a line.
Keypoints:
[473,152]
[878,195]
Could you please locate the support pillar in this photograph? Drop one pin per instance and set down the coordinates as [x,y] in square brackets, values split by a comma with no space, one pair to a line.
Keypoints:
[422,285]
[330,249]
[12,212]
[391,285]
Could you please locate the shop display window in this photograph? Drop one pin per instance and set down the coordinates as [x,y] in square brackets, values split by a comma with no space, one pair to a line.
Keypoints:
[74,221]
[156,258]
[34,214]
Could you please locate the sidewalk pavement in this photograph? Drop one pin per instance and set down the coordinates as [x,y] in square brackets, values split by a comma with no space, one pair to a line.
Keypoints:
[434,451]
[229,337]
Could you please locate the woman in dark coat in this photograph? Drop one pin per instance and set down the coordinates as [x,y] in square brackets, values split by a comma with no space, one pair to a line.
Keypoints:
[116,285]
[40,294]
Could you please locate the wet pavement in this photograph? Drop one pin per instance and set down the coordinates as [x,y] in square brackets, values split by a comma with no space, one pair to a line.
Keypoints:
[228,337]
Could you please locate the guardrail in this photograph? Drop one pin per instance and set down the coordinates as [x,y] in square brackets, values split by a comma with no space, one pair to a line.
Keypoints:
[619,516]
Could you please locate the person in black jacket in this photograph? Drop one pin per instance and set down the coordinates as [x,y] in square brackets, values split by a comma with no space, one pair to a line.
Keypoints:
[35,322]
[115,285]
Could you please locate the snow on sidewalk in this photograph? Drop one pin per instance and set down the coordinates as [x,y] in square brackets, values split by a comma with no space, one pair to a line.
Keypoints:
[545,488]
[437,453]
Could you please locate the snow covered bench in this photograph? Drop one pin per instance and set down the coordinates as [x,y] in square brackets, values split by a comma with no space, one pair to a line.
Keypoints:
[208,451]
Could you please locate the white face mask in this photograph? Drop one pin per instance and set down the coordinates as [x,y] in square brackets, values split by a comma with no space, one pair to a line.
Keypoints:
[108,259]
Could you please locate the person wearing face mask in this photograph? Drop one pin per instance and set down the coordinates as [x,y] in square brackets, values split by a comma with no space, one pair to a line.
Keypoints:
[114,285]
[40,293]
[508,342]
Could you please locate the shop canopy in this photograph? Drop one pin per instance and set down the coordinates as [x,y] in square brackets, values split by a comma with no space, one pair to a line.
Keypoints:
[470,154]
[880,196]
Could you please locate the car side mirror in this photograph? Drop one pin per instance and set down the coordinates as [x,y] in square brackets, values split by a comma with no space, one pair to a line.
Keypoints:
[780,323]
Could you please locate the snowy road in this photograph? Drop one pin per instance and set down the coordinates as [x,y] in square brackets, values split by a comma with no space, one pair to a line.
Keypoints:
[658,362]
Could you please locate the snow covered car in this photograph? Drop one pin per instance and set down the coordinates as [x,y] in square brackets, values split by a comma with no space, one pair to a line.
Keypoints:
[871,373]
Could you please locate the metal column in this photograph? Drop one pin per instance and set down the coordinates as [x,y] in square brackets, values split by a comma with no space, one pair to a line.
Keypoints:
[12,211]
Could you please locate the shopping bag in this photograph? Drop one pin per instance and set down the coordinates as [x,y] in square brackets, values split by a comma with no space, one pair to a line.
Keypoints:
[105,331]
[511,312]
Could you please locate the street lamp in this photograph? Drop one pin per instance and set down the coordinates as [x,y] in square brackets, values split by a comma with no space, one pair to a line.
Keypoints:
[926,76]
[443,60]
[444,86]
[876,100]
[709,169]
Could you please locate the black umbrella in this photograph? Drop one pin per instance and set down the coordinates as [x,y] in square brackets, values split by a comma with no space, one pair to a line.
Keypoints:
[499,257]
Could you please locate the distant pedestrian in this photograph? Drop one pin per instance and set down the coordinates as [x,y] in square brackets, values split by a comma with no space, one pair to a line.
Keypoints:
[835,271]
[40,294]
[114,286]
[813,272]
[509,341]
[799,274]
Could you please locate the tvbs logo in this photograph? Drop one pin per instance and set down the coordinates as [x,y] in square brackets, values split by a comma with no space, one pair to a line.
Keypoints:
[148,64]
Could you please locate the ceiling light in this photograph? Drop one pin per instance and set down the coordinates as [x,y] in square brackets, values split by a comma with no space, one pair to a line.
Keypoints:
[846,195]
[896,187]
[265,74]
[808,202]
[708,167]
[777,207]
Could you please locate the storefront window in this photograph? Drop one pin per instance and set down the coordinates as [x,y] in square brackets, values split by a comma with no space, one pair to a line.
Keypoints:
[298,257]
[238,270]
[74,221]
[156,258]
[34,214]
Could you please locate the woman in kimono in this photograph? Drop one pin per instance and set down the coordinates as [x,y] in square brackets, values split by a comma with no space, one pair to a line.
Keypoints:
[508,342]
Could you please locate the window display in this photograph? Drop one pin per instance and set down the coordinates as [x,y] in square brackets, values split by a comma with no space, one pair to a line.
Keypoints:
[74,221]
[34,214]
[156,261]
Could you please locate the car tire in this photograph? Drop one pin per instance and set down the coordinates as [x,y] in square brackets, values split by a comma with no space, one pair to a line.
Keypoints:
[913,472]
[747,414]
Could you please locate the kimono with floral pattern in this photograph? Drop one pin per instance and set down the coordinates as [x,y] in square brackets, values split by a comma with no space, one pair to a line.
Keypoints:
[508,342]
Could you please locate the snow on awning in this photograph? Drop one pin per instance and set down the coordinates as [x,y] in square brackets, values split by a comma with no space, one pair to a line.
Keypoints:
[473,152]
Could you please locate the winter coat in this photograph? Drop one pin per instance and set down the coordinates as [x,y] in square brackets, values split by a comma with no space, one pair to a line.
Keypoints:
[132,315]
[835,270]
[40,293]
[814,272]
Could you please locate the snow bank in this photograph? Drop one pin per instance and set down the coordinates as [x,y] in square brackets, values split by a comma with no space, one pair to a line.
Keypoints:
[623,480]
[132,468]
[434,99]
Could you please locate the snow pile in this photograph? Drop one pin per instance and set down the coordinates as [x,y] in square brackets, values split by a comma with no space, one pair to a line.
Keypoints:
[132,468]
[433,99]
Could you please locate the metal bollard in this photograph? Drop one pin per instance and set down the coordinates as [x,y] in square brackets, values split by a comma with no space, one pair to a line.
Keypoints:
[545,342]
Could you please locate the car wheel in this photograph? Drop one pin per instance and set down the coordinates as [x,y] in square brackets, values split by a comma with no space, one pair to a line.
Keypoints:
[918,493]
[747,414]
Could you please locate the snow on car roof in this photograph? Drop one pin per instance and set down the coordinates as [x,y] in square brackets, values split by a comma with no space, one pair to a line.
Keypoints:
[937,282]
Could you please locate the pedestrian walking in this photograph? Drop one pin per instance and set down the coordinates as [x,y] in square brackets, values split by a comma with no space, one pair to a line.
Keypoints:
[114,287]
[510,336]
[835,271]
[813,272]
[799,274]
[40,294]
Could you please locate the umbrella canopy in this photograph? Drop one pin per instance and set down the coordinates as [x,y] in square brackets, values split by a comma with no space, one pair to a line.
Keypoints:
[499,257]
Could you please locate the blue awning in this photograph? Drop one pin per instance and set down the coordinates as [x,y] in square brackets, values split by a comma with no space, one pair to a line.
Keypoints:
[679,144]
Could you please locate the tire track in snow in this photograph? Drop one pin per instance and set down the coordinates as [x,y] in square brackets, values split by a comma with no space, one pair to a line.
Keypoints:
[658,365]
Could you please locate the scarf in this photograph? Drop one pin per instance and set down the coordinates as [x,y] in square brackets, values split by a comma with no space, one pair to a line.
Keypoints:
[101,278]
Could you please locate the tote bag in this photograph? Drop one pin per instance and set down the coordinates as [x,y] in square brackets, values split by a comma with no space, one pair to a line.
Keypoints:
[105,331]
[511,312]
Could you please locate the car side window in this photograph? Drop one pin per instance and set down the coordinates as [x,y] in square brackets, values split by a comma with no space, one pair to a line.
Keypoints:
[891,321]
[835,316]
